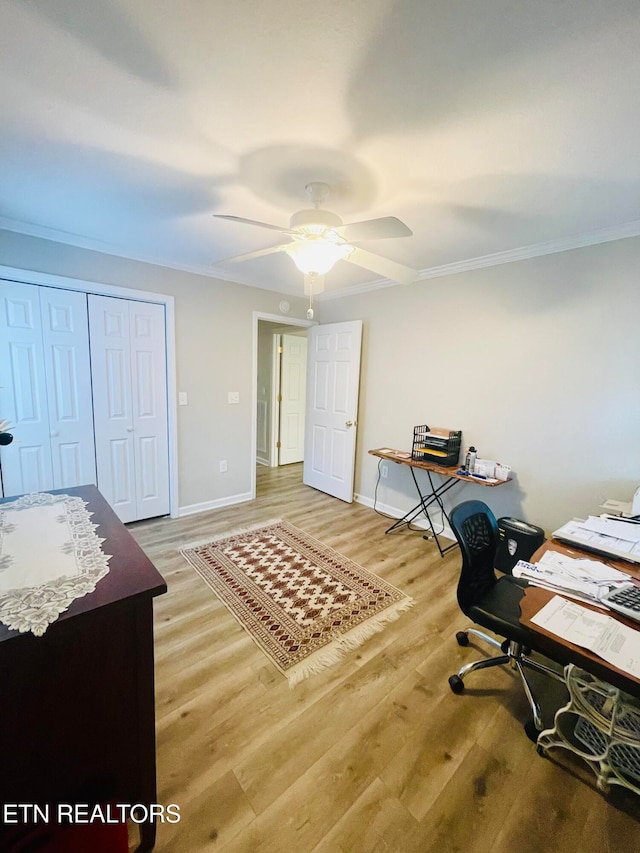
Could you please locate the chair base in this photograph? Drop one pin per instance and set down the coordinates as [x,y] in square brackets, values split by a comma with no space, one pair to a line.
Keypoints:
[514,655]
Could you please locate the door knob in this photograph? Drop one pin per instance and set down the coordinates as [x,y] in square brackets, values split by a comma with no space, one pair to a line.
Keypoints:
[54,434]
[350,423]
[129,429]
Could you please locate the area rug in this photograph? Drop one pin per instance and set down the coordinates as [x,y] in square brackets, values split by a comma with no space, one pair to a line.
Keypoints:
[303,603]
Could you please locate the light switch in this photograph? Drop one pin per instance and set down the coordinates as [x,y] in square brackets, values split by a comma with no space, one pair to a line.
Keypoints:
[233,397]
[182,398]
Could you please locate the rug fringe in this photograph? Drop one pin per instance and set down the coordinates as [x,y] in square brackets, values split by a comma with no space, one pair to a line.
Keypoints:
[229,534]
[315,663]
[355,638]
[375,624]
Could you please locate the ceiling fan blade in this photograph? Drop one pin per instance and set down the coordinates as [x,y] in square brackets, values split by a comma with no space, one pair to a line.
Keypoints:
[250,255]
[383,266]
[373,229]
[253,222]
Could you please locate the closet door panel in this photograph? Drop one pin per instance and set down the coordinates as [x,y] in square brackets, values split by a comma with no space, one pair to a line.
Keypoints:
[27,463]
[113,418]
[149,389]
[65,335]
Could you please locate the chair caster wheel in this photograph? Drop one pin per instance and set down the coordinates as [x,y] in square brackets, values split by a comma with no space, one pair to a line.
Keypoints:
[463,638]
[541,751]
[531,731]
[456,683]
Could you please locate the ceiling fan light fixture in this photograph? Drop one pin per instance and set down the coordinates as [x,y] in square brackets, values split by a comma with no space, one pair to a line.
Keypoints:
[317,256]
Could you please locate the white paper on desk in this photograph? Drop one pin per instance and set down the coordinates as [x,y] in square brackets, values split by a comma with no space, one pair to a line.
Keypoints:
[616,643]
[626,530]
[579,578]
[577,532]
[583,568]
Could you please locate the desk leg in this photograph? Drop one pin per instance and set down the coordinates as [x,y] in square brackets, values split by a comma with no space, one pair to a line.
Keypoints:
[435,496]
[426,500]
[407,518]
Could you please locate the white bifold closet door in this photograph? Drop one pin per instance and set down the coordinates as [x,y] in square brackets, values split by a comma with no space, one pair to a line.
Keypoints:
[128,365]
[45,388]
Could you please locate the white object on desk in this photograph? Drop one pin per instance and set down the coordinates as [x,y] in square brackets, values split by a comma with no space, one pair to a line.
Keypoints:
[616,643]
[582,579]
[502,471]
[485,468]
[622,508]
[49,556]
[578,532]
[629,531]
[617,507]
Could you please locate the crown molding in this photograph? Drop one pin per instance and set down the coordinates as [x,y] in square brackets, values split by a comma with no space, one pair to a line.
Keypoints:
[80,242]
[535,250]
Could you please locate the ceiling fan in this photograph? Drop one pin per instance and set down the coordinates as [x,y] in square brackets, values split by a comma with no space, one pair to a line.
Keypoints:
[318,239]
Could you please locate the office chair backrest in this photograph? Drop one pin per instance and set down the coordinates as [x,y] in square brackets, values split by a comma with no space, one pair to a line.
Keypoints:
[476,530]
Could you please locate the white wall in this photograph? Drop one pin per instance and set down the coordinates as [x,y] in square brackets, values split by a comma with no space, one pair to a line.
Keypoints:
[537,362]
[214,328]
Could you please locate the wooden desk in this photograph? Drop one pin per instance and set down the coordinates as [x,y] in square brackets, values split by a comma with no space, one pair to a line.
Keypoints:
[450,477]
[77,723]
[600,721]
[562,651]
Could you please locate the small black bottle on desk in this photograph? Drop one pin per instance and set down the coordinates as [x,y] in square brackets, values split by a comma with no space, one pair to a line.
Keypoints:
[470,460]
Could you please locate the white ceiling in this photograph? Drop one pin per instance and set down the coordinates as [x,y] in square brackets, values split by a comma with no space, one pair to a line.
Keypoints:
[491,127]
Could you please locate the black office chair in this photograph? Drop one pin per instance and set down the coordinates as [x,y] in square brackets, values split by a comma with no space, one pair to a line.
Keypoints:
[492,602]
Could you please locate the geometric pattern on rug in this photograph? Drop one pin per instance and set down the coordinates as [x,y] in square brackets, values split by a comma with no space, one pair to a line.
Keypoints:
[304,604]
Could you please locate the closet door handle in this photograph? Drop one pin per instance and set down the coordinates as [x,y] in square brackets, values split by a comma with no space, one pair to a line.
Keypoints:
[129,429]
[54,434]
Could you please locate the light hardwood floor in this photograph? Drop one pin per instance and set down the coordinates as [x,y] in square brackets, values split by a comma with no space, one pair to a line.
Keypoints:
[375,754]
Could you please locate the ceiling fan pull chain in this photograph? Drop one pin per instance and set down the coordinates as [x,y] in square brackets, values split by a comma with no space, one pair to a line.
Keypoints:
[310,308]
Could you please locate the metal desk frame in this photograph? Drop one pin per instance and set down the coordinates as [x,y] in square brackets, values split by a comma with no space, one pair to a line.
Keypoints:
[450,478]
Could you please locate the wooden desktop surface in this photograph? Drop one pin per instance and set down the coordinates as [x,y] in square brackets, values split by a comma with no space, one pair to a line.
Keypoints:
[131,572]
[535,598]
[443,470]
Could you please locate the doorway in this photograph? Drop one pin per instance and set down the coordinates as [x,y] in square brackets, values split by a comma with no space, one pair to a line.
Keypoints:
[267,375]
[288,397]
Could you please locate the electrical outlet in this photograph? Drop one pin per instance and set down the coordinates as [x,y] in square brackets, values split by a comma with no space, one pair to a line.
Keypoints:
[233,397]
[223,466]
[183,400]
[384,470]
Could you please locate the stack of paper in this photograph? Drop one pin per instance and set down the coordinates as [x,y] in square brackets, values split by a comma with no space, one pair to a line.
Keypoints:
[616,643]
[583,579]
[615,536]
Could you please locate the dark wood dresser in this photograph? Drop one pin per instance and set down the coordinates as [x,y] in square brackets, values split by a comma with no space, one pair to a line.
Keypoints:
[77,719]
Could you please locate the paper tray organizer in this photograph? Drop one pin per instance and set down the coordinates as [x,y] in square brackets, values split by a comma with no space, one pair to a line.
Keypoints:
[435,444]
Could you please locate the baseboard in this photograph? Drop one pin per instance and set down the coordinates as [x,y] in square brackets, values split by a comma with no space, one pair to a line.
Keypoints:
[261,460]
[420,523]
[194,509]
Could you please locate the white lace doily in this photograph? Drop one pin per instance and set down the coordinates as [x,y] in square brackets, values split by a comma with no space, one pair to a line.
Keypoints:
[49,556]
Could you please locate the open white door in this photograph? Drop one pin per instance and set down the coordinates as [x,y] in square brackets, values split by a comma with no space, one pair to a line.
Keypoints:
[293,378]
[333,378]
